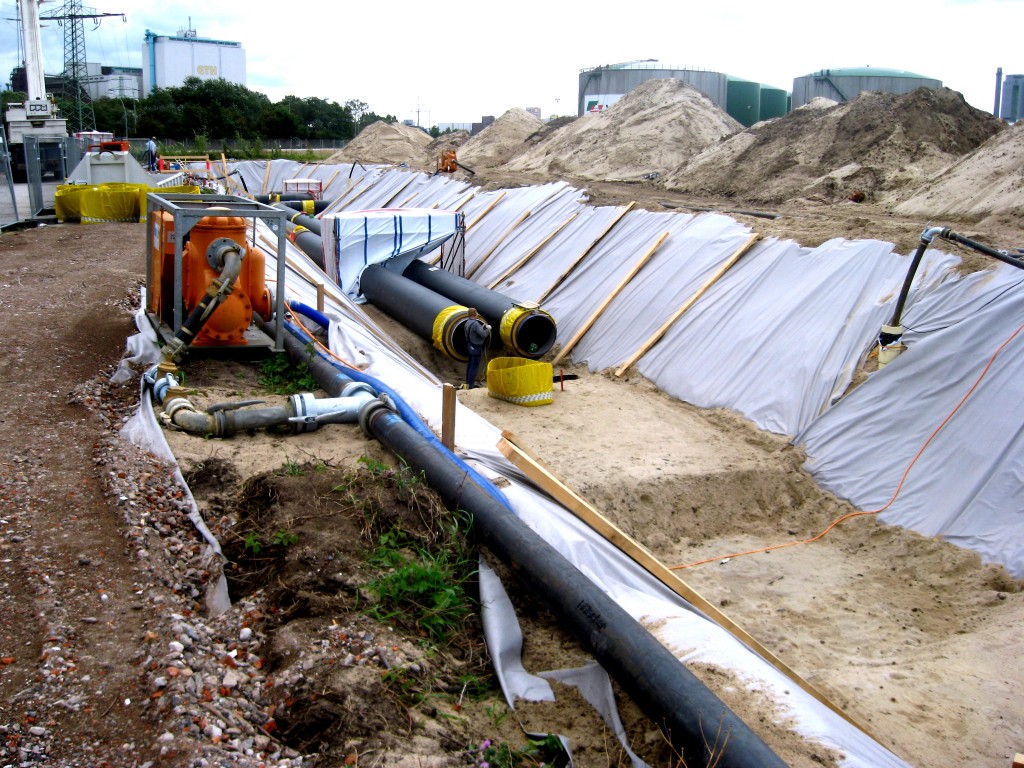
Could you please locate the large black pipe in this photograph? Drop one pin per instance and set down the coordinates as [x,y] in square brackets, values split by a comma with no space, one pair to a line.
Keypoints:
[300,219]
[308,242]
[274,197]
[697,723]
[528,330]
[308,206]
[421,310]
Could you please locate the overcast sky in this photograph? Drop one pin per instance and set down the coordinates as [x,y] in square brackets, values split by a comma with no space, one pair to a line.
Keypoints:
[453,63]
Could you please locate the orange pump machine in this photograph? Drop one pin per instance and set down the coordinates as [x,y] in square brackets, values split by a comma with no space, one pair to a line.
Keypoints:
[204,282]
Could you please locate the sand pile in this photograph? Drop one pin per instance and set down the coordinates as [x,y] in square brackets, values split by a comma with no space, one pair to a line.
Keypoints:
[983,185]
[388,143]
[652,129]
[879,146]
[452,140]
[501,140]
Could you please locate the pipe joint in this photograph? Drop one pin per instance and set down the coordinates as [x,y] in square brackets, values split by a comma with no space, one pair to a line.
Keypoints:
[370,409]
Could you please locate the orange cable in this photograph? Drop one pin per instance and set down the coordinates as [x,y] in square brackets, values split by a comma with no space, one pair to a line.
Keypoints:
[899,486]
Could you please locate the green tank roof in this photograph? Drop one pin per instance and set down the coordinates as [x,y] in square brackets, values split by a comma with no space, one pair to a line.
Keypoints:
[867,72]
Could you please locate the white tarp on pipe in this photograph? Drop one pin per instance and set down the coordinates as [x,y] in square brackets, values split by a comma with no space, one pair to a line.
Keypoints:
[354,240]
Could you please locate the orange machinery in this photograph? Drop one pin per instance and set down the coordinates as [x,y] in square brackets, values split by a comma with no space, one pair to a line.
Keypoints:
[201,265]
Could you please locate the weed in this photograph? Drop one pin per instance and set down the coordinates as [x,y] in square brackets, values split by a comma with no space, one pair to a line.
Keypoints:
[292,468]
[537,752]
[278,375]
[253,544]
[284,538]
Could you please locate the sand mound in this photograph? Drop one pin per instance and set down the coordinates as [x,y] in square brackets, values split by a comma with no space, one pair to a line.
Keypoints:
[880,145]
[500,140]
[985,183]
[388,143]
[452,140]
[652,129]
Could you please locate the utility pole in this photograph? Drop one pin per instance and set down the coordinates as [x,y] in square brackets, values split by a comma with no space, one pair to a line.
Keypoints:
[75,74]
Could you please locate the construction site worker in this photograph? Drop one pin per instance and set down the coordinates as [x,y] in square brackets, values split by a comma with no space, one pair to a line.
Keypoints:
[151,154]
[478,335]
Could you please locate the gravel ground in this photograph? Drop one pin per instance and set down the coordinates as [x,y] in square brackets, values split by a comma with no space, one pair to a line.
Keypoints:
[104,657]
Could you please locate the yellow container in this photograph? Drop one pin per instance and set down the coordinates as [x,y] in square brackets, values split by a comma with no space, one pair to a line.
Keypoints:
[114,201]
[520,381]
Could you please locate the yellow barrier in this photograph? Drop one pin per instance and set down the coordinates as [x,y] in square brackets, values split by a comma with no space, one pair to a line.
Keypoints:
[520,381]
[113,201]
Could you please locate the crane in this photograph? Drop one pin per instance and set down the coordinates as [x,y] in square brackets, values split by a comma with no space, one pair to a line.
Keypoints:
[37,116]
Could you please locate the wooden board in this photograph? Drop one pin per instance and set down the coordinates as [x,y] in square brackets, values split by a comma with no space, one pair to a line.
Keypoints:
[544,478]
[656,336]
[608,300]
[586,251]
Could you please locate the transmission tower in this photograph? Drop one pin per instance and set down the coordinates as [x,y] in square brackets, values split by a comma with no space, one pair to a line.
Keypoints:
[75,73]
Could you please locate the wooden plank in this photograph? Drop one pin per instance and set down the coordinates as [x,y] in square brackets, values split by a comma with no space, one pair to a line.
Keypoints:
[330,181]
[567,347]
[266,177]
[586,251]
[337,203]
[656,336]
[534,251]
[544,478]
[488,209]
[494,247]
[399,190]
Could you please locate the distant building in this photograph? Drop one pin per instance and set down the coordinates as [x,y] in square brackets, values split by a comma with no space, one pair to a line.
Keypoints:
[167,60]
[535,111]
[1011,104]
[484,122]
[848,83]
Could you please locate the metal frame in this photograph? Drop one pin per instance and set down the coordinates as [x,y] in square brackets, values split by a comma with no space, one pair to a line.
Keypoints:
[187,210]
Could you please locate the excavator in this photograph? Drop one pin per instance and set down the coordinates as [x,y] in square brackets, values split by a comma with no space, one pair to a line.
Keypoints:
[448,162]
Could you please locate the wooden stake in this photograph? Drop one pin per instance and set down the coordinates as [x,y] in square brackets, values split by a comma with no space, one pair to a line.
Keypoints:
[586,251]
[320,297]
[540,474]
[448,416]
[604,304]
[656,336]
[398,191]
[534,251]
[501,239]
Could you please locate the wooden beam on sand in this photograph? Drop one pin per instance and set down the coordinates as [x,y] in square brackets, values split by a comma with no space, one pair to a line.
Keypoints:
[494,247]
[656,336]
[544,478]
[567,347]
[586,251]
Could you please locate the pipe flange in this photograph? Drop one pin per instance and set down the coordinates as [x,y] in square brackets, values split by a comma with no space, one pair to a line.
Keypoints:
[368,409]
[216,249]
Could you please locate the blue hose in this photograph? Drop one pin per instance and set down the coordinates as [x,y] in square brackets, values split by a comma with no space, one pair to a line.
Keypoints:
[405,411]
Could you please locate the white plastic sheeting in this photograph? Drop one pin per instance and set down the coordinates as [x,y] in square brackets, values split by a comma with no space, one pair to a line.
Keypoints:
[966,484]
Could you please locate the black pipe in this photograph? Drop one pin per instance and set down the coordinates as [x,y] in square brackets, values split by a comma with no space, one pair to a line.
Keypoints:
[308,242]
[886,338]
[421,310]
[275,197]
[528,330]
[696,722]
[308,206]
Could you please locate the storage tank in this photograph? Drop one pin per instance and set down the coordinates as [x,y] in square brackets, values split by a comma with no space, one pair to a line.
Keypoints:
[600,87]
[848,83]
[774,102]
[743,101]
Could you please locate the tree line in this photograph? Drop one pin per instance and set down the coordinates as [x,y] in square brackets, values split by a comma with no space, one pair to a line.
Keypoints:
[218,110]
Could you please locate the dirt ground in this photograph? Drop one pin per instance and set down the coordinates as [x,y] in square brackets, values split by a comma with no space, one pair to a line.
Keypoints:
[109,656]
